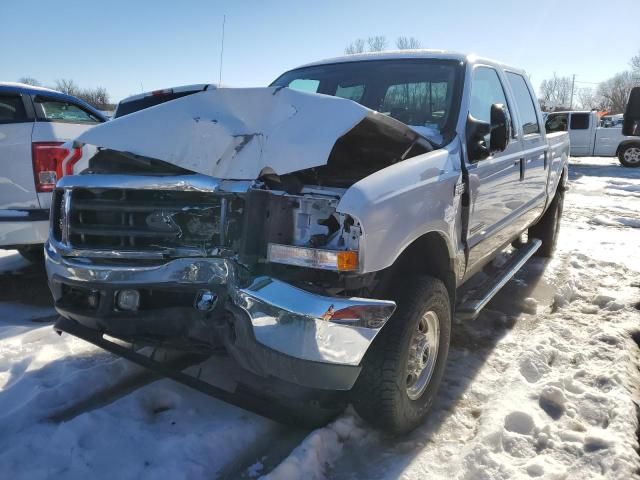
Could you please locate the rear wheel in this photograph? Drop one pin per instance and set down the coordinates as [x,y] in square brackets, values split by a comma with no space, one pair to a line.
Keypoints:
[548,228]
[404,366]
[629,156]
[33,253]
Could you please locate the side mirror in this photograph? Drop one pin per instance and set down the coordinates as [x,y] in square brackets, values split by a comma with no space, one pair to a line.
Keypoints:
[500,128]
[631,123]
[498,133]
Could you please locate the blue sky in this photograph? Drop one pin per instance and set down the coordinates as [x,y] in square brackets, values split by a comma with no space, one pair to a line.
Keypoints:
[127,46]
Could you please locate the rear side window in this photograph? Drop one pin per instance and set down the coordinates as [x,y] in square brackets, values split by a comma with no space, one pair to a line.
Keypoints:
[60,111]
[524,101]
[557,122]
[579,121]
[12,109]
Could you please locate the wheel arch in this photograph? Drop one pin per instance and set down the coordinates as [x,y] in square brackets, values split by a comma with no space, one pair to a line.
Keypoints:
[626,143]
[428,254]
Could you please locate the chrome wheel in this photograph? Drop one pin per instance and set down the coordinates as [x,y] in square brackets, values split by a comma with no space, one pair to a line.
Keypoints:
[423,352]
[632,155]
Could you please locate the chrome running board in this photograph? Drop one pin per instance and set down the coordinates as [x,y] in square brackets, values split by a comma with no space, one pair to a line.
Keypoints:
[470,307]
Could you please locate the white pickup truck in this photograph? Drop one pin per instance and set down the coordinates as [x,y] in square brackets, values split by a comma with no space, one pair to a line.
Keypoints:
[321,233]
[34,124]
[589,139]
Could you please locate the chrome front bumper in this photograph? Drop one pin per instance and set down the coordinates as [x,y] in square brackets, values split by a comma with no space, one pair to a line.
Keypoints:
[284,318]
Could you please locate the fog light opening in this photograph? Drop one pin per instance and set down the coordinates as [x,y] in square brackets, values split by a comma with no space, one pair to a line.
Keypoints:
[206,300]
[128,300]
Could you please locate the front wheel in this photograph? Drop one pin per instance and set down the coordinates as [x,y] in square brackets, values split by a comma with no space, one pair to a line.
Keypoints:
[629,156]
[404,366]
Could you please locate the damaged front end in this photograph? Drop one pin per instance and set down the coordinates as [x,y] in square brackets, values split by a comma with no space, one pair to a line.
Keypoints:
[265,268]
[194,263]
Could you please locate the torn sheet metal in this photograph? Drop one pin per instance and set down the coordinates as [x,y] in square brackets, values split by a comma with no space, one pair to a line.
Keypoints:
[234,133]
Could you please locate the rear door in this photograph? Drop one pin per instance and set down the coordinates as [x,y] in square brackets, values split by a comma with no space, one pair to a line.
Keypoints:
[580,133]
[59,120]
[17,186]
[534,149]
[607,141]
[495,181]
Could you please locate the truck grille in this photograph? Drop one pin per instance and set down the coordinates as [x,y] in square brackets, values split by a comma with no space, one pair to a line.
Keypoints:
[123,219]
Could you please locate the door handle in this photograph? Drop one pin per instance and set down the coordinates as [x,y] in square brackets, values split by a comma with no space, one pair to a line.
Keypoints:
[522,165]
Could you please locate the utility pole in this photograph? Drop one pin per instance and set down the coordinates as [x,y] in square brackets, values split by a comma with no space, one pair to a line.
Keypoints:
[224,19]
[573,82]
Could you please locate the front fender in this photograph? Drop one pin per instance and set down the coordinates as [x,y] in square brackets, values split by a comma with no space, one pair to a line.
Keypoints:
[399,204]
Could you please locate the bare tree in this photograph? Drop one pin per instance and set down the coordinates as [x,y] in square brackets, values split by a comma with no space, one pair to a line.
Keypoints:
[407,43]
[587,99]
[377,43]
[355,47]
[30,81]
[590,99]
[98,97]
[635,64]
[615,91]
[556,91]
[67,86]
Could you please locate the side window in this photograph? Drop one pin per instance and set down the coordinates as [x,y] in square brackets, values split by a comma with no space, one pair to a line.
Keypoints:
[305,85]
[486,89]
[557,122]
[60,111]
[524,101]
[12,109]
[579,121]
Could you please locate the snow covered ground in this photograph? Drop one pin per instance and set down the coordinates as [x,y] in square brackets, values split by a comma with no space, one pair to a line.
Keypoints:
[543,385]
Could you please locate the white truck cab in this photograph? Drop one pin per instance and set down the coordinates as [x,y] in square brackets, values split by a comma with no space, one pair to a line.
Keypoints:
[588,138]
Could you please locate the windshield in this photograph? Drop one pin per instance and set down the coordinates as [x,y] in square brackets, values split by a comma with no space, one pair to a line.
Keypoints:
[423,94]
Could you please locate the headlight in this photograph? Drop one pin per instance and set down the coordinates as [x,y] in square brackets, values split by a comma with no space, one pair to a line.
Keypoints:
[339,260]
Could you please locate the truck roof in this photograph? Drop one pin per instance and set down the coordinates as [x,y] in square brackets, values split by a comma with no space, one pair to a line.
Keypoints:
[16,87]
[411,54]
[26,88]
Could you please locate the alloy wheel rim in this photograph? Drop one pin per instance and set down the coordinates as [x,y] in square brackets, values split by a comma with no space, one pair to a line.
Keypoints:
[423,352]
[632,155]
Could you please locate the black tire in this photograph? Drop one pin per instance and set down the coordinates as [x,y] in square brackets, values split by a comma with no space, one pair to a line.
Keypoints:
[548,228]
[629,155]
[33,253]
[380,395]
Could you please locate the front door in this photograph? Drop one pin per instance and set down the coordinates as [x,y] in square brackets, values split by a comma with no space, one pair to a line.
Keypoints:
[494,181]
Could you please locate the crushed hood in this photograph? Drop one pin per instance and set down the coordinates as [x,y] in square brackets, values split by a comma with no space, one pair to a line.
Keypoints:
[236,133]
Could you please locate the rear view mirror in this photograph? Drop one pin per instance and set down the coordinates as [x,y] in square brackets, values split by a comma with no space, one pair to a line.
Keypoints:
[631,123]
[500,128]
